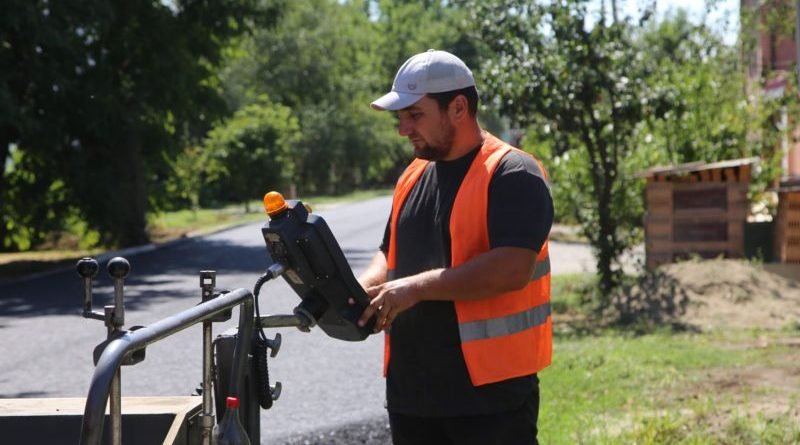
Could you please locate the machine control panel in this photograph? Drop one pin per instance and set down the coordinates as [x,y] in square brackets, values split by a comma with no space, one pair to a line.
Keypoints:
[315,268]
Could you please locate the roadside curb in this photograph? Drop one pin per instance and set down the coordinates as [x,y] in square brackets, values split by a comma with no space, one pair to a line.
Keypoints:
[128,251]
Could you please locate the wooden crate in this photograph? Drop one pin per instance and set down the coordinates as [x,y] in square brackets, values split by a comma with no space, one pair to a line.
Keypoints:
[686,218]
[787,227]
[698,209]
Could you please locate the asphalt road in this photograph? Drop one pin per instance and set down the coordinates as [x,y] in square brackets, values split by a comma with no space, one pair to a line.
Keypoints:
[46,346]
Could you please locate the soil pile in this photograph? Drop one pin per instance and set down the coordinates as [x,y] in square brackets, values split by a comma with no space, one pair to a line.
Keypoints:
[734,293]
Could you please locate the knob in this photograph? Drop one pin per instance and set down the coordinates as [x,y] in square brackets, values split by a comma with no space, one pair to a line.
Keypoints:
[275,391]
[87,267]
[274,345]
[118,267]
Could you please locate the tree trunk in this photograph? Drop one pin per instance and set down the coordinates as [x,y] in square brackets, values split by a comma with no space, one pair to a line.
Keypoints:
[605,254]
[614,11]
[5,140]
[130,207]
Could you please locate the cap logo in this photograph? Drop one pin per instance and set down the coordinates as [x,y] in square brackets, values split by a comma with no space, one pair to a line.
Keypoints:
[412,86]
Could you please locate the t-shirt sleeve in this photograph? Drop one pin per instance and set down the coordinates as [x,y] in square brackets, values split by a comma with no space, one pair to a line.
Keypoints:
[520,204]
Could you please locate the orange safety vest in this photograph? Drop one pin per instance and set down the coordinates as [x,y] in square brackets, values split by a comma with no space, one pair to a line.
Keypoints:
[504,336]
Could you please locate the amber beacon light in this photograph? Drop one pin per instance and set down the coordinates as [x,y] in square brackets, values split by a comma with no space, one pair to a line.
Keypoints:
[274,203]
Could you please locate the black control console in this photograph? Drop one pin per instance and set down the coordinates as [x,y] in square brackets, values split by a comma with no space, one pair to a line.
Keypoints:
[317,271]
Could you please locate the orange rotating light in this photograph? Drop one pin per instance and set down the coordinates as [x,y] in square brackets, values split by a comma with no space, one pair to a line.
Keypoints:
[274,203]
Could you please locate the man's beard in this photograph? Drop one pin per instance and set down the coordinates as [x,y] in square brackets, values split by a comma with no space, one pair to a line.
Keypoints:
[441,148]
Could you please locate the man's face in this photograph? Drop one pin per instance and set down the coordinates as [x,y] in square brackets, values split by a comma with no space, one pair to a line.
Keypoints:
[428,128]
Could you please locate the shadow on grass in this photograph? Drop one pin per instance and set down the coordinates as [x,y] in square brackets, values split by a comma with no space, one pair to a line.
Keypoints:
[15,269]
[652,301]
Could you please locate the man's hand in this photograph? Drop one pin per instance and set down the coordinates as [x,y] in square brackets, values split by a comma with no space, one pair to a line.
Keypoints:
[388,300]
[500,270]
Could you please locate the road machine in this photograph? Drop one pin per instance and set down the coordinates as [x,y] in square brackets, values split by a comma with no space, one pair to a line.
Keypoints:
[304,252]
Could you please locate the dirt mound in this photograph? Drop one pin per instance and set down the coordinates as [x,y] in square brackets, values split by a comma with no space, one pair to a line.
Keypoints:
[732,293]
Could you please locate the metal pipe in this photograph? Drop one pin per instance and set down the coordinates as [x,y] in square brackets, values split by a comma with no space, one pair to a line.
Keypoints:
[115,408]
[208,404]
[115,396]
[110,360]
[87,296]
[119,303]
[281,321]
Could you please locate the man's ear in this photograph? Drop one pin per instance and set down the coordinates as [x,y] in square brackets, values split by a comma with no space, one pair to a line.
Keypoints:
[459,107]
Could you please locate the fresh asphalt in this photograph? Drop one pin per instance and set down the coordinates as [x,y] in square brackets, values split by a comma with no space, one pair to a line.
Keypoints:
[46,346]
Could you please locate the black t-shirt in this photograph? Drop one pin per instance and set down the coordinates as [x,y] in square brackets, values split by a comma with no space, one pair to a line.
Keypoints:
[427,375]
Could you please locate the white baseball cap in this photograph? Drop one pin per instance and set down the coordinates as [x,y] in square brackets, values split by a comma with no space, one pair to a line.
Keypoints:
[429,72]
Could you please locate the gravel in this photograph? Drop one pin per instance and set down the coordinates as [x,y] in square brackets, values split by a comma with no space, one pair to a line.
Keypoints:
[370,432]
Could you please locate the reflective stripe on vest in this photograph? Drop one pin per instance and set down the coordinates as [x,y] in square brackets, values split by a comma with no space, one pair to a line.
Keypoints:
[504,336]
[541,269]
[510,324]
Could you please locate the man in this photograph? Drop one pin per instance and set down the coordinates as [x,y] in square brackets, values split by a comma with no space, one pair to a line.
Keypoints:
[462,282]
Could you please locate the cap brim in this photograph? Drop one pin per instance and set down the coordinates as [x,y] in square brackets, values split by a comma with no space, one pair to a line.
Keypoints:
[394,101]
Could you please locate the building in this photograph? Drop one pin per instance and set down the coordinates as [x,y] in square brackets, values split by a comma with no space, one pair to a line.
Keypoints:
[770,53]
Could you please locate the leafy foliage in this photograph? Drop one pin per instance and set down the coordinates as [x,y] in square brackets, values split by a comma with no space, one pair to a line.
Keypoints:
[602,101]
[98,96]
[322,61]
[252,151]
[709,119]
[585,91]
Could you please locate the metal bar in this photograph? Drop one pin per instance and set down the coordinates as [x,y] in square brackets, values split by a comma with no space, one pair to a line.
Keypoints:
[115,395]
[277,269]
[281,321]
[119,303]
[94,315]
[208,408]
[115,408]
[87,296]
[110,360]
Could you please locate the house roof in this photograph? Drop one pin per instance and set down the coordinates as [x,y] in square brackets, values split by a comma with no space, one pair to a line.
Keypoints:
[691,167]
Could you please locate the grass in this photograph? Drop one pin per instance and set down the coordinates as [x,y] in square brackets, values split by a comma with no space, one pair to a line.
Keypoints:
[568,292]
[166,226]
[613,387]
[162,227]
[169,225]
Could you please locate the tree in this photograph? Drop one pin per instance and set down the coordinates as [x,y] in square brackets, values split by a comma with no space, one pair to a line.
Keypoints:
[327,60]
[583,87]
[253,150]
[323,61]
[408,27]
[99,96]
[710,117]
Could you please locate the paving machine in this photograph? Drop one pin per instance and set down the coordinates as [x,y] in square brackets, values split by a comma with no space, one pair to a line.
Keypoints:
[304,252]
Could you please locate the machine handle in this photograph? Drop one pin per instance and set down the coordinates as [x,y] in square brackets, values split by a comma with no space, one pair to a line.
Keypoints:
[117,350]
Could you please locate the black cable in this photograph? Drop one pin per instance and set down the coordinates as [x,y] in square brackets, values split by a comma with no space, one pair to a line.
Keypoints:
[260,350]
[256,289]
[261,380]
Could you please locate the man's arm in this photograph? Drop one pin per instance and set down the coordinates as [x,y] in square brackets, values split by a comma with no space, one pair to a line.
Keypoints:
[497,271]
[376,272]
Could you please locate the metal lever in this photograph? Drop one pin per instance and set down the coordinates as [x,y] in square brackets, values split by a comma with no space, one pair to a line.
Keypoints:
[114,318]
[87,268]
[118,268]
